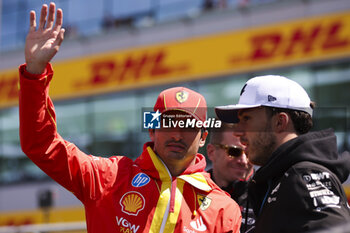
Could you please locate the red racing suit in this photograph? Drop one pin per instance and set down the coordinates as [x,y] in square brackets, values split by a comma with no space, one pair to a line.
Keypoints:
[121,195]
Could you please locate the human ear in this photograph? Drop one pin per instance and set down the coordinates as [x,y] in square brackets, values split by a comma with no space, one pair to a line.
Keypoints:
[282,121]
[203,138]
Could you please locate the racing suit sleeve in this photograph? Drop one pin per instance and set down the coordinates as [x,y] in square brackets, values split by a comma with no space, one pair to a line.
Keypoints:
[237,221]
[82,174]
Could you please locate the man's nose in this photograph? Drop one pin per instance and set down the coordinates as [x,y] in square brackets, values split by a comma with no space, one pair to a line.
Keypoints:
[242,159]
[176,134]
[238,130]
[240,133]
[237,133]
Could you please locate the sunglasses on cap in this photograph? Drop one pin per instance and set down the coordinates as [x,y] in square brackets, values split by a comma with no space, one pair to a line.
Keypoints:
[231,151]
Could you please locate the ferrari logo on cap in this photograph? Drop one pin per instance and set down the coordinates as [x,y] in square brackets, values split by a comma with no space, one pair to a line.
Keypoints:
[182,96]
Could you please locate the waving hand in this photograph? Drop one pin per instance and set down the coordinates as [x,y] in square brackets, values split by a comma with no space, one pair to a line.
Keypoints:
[42,43]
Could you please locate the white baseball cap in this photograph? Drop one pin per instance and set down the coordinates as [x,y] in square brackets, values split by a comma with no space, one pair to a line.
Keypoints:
[269,90]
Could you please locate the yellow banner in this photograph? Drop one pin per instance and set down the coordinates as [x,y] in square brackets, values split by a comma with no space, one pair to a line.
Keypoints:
[283,44]
[39,216]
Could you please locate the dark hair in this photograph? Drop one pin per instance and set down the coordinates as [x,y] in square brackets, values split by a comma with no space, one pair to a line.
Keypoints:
[302,121]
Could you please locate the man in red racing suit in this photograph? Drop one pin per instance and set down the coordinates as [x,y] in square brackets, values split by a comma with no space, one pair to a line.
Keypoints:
[164,190]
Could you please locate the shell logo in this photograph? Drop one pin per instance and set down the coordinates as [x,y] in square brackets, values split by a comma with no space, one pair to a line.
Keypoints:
[132,203]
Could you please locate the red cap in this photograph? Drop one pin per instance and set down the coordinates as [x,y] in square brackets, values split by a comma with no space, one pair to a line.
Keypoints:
[182,99]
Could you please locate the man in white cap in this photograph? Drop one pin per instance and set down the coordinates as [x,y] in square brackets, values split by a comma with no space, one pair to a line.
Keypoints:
[298,186]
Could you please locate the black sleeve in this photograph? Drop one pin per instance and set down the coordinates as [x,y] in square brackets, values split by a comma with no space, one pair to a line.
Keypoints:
[313,197]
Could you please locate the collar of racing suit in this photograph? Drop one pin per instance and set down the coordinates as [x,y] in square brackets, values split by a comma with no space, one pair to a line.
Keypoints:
[156,168]
[171,188]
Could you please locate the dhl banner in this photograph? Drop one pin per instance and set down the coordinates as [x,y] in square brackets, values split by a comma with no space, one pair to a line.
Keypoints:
[39,216]
[282,44]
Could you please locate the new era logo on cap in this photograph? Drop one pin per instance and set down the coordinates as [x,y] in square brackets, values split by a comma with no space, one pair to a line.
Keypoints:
[271,91]
[270,98]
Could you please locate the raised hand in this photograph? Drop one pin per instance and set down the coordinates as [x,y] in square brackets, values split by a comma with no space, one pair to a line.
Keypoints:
[42,43]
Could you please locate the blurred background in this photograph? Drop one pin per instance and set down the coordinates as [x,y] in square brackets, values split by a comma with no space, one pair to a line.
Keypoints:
[119,54]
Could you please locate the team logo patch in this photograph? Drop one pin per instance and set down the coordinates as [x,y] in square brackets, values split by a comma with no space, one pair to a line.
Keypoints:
[204,201]
[181,96]
[141,179]
[132,203]
[320,187]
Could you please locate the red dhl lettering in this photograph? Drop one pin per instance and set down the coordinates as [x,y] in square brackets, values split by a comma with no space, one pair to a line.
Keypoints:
[17,221]
[319,37]
[131,69]
[8,87]
[333,39]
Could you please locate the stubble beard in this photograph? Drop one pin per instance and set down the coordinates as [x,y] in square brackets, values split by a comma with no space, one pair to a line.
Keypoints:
[264,145]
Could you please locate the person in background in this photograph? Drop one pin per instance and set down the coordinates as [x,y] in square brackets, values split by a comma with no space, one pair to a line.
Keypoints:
[166,189]
[298,187]
[231,170]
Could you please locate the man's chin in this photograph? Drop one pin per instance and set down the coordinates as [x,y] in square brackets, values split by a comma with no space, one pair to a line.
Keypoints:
[176,154]
[239,175]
